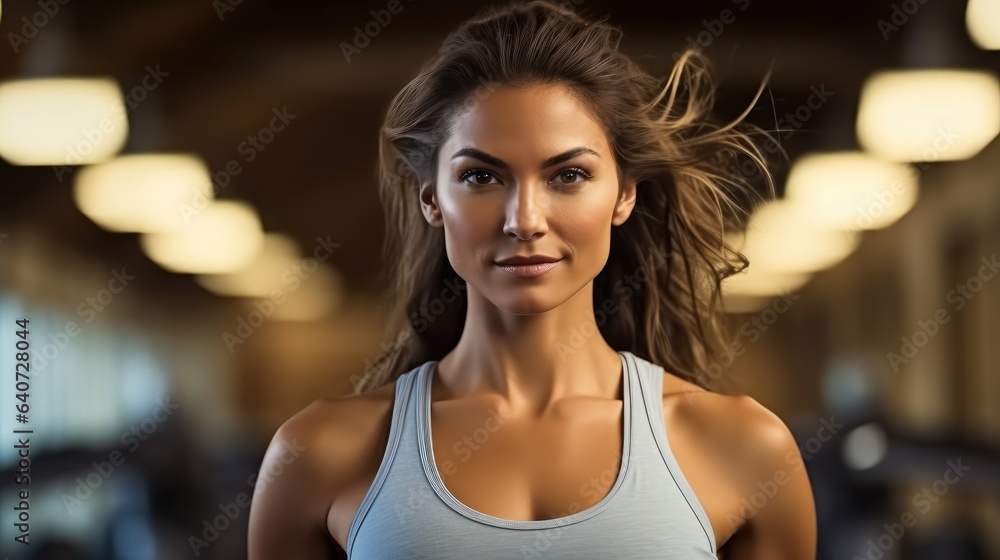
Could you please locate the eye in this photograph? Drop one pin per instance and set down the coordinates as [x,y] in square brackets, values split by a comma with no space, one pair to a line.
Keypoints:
[566,177]
[479,177]
[572,176]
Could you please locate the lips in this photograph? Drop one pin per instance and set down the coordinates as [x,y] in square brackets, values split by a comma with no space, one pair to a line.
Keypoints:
[530,270]
[527,260]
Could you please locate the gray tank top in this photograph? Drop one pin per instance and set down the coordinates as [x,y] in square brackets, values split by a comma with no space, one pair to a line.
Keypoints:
[650,512]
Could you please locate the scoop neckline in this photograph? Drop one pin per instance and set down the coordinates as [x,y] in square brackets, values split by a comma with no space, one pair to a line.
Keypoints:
[437,483]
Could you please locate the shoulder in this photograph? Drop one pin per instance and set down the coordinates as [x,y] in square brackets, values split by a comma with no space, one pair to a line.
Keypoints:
[312,458]
[756,453]
[327,445]
[338,436]
[740,426]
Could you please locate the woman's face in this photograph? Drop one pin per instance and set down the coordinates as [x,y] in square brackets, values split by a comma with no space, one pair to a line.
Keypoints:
[527,172]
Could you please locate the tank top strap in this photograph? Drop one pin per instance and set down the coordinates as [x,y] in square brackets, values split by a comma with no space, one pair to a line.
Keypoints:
[400,406]
[651,382]
[650,385]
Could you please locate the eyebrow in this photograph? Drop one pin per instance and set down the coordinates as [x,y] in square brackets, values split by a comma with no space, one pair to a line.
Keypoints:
[554,160]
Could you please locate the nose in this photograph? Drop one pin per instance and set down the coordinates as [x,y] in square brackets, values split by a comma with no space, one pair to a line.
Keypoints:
[526,212]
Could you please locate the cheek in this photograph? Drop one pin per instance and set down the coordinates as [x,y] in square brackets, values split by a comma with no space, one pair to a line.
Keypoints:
[470,227]
[586,225]
[468,219]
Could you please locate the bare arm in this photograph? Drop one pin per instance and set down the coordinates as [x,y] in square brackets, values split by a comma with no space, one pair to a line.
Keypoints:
[291,496]
[784,527]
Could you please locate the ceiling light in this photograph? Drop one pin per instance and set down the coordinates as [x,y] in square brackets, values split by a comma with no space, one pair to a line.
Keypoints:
[982,19]
[262,275]
[223,237]
[144,192]
[783,238]
[61,121]
[852,190]
[756,281]
[928,115]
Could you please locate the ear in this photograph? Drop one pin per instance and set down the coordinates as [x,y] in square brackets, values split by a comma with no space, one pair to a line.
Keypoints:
[429,205]
[626,202]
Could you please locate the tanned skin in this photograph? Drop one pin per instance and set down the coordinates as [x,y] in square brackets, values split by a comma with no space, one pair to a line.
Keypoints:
[529,171]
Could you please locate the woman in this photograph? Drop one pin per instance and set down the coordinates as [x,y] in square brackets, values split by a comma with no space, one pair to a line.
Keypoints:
[556,239]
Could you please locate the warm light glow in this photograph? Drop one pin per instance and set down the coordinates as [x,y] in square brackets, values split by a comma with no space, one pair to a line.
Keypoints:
[928,115]
[852,190]
[222,238]
[263,274]
[783,238]
[755,287]
[748,296]
[757,281]
[144,193]
[61,121]
[982,18]
[316,298]
[734,303]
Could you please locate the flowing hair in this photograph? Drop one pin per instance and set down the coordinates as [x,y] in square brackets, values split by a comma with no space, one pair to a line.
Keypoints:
[673,248]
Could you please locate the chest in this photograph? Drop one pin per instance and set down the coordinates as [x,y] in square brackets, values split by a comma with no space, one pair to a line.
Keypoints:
[528,470]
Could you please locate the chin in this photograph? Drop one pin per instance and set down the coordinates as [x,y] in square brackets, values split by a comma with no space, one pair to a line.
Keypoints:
[526,302]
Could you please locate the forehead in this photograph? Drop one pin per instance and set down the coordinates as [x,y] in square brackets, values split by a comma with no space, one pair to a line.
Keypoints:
[537,119]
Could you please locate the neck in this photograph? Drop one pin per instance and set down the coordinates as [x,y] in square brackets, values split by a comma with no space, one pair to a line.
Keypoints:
[530,362]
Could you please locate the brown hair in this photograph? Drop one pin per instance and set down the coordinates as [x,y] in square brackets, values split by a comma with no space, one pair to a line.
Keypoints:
[673,244]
